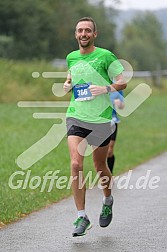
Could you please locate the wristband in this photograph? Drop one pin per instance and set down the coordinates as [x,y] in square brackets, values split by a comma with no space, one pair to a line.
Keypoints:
[108,89]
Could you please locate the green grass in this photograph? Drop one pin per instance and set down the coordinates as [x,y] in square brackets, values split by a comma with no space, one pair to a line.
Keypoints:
[17,83]
[142,135]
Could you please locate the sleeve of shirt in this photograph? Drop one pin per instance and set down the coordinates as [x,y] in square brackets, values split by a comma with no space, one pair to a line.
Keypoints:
[114,66]
[121,95]
[67,61]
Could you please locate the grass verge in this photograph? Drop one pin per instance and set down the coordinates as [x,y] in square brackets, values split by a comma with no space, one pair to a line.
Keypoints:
[141,136]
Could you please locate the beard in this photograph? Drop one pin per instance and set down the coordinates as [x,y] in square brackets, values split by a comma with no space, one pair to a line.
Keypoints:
[85,44]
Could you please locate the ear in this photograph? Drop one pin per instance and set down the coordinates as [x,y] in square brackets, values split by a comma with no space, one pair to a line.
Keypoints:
[75,34]
[95,34]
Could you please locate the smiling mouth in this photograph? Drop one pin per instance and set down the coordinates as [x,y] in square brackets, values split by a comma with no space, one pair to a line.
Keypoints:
[84,39]
[84,42]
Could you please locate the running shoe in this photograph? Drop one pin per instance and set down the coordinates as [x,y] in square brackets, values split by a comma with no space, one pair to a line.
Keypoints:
[81,225]
[106,215]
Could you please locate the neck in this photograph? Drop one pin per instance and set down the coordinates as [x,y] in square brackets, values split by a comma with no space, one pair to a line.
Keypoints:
[86,50]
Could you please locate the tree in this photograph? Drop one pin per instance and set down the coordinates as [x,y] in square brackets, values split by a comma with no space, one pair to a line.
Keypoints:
[28,23]
[45,29]
[143,44]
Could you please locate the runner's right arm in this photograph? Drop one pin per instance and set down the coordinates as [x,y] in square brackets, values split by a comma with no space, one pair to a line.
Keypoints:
[68,84]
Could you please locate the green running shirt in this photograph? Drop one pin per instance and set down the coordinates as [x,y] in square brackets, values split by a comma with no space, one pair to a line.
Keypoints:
[99,68]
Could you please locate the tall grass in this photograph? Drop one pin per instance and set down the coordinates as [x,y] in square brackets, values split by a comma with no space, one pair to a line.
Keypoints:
[17,83]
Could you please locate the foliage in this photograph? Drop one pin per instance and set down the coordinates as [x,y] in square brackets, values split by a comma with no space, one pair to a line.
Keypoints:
[45,29]
[143,43]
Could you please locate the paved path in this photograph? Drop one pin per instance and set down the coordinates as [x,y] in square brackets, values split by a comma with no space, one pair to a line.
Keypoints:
[139,223]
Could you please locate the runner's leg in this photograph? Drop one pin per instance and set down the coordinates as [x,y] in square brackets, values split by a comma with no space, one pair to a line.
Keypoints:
[99,158]
[76,171]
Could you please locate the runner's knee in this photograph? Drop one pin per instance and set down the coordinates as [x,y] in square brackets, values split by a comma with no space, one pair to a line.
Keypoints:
[76,166]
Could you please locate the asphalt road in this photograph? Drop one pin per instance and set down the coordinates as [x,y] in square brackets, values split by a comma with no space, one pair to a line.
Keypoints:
[139,222]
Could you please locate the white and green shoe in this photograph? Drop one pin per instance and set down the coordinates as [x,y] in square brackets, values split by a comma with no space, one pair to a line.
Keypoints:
[106,215]
[81,225]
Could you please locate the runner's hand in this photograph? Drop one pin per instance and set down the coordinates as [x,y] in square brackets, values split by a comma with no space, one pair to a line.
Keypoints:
[97,90]
[119,104]
[67,84]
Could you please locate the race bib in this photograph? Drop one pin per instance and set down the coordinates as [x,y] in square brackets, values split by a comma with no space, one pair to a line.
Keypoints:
[82,92]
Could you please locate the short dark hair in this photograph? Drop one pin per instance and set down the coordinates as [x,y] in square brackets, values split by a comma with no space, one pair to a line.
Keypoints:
[90,19]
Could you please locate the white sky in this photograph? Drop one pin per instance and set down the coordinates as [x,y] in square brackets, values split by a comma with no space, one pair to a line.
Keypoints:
[139,4]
